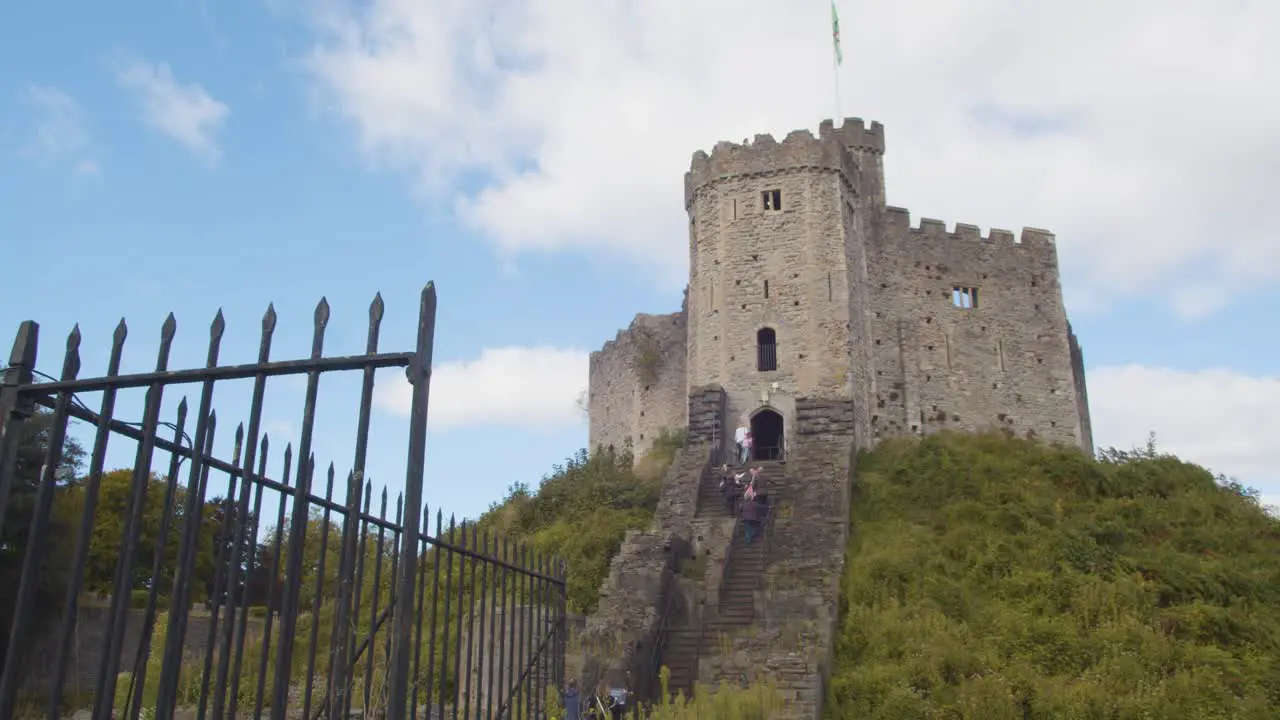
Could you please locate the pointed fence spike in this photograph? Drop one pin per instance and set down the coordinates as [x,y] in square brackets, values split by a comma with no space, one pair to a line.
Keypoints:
[322,313]
[169,328]
[73,339]
[122,332]
[376,309]
[269,319]
[265,444]
[182,410]
[218,326]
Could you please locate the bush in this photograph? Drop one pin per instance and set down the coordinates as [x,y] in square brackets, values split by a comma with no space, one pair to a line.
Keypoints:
[990,577]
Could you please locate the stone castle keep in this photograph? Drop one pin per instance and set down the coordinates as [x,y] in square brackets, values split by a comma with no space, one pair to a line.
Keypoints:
[823,319]
[803,282]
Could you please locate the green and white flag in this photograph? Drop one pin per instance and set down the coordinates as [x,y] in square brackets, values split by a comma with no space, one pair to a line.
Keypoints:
[835,32]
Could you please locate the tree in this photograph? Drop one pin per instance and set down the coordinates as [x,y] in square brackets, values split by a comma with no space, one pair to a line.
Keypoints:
[33,445]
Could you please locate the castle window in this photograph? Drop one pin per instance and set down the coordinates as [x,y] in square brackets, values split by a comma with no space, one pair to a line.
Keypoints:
[766,288]
[772,200]
[766,350]
[964,297]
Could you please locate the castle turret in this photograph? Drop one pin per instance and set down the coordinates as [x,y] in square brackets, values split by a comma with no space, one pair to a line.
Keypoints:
[776,271]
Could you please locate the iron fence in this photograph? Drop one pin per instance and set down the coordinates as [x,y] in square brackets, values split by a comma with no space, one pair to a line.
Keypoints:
[332,608]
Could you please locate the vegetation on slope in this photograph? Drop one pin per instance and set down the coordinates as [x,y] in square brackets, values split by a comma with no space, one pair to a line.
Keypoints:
[990,577]
[584,508]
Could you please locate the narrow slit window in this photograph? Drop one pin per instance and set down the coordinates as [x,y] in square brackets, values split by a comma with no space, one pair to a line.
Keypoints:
[1000,353]
[766,288]
[772,200]
[830,290]
[963,297]
[766,350]
[735,208]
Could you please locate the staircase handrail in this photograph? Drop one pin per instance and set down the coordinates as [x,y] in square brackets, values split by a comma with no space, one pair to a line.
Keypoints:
[766,531]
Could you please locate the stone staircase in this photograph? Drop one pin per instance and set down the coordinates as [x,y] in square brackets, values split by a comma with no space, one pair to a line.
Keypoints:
[691,635]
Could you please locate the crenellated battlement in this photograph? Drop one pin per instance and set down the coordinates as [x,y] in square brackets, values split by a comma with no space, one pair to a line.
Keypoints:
[764,154]
[854,134]
[933,230]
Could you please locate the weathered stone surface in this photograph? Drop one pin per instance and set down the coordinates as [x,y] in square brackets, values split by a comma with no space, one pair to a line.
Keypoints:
[861,304]
[619,637]
[637,385]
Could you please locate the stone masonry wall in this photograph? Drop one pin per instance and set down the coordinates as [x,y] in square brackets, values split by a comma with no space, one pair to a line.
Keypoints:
[499,670]
[1082,391]
[88,640]
[619,637]
[796,610]
[638,384]
[1004,363]
[769,253]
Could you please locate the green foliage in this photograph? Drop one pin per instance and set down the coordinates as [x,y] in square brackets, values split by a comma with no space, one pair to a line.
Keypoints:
[33,444]
[584,508]
[646,356]
[991,577]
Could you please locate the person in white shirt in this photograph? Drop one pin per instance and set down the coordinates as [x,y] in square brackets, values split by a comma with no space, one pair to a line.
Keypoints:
[739,439]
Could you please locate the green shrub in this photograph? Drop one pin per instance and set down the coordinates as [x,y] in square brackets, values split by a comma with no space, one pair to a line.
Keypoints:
[990,577]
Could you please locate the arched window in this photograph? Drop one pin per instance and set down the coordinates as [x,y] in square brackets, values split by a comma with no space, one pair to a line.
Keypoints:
[766,350]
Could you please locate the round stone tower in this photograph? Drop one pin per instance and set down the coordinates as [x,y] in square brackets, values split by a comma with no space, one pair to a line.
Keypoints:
[776,304]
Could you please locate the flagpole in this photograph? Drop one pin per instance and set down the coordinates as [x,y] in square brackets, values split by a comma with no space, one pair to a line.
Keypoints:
[835,69]
[836,58]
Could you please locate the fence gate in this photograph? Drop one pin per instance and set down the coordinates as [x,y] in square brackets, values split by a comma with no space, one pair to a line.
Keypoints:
[135,594]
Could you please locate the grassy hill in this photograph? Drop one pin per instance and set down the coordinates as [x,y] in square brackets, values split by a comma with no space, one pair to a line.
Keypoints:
[989,577]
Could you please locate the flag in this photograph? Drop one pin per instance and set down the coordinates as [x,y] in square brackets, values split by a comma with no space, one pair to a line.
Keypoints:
[835,32]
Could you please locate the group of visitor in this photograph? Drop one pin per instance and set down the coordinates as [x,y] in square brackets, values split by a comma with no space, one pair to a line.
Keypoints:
[745,494]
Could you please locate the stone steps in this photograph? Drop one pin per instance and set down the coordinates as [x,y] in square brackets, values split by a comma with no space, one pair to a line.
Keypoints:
[687,639]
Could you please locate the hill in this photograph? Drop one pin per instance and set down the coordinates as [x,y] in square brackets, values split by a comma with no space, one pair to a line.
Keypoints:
[990,577]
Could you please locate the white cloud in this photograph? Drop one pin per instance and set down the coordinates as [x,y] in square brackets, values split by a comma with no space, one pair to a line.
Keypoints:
[1141,132]
[530,387]
[61,134]
[1221,419]
[184,112]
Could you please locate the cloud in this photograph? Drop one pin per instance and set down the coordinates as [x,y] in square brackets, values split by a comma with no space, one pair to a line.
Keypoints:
[183,112]
[1221,419]
[61,134]
[1095,119]
[529,387]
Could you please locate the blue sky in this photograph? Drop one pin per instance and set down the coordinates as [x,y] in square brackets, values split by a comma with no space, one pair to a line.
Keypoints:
[188,156]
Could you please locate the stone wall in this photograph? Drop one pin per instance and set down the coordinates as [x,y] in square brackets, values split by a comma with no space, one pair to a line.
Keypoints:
[859,301]
[1005,362]
[638,384]
[1082,391]
[770,229]
[797,607]
[529,625]
[620,636]
[88,640]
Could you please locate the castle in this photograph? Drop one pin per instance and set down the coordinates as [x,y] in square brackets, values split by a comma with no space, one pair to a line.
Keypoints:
[818,315]
[804,283]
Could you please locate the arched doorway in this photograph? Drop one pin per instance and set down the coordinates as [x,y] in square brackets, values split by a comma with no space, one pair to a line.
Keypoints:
[766,435]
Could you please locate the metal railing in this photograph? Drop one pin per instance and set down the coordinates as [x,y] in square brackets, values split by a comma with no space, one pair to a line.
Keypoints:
[372,606]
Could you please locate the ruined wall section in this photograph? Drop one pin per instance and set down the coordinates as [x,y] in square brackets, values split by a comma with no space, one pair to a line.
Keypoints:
[637,385]
[619,637]
[754,267]
[1006,362]
[1082,392]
